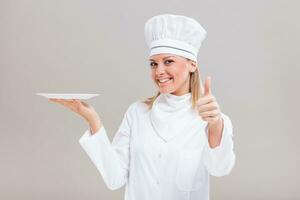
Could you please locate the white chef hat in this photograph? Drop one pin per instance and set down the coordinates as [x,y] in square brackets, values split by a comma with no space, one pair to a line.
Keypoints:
[175,34]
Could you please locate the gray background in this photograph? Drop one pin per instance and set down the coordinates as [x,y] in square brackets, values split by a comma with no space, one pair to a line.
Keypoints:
[251,52]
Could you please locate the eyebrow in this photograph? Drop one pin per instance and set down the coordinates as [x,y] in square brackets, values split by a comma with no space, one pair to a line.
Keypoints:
[163,58]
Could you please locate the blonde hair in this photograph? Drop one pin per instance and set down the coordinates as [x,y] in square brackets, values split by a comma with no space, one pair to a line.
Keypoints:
[195,87]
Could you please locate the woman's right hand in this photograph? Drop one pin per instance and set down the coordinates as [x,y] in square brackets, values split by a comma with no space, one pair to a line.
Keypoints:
[83,109]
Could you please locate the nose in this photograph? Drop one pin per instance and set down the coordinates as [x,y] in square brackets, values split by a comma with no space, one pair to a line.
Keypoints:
[160,69]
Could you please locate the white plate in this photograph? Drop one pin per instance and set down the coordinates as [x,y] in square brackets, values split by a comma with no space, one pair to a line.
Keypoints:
[67,95]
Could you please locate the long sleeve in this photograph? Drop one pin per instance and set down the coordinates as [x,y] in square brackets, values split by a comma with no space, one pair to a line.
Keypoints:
[110,158]
[220,160]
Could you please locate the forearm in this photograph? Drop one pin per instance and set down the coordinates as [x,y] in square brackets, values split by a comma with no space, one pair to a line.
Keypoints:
[215,133]
[105,157]
[219,157]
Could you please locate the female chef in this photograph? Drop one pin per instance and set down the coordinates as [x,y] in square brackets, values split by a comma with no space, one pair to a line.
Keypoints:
[167,145]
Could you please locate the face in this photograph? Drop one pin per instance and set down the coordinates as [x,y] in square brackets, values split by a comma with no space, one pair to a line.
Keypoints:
[171,73]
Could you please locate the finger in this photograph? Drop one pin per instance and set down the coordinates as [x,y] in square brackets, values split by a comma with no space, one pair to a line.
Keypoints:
[201,88]
[207,107]
[74,103]
[208,119]
[65,102]
[207,86]
[211,113]
[57,101]
[211,120]
[85,104]
[53,100]
[204,100]
[77,101]
[71,104]
[77,104]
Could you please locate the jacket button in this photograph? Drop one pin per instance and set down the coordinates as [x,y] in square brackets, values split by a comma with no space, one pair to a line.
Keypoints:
[159,155]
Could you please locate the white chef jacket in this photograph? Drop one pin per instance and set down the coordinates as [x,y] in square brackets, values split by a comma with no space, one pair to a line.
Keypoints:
[161,165]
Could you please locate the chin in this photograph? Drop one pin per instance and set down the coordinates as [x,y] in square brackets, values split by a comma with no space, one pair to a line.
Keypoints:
[165,90]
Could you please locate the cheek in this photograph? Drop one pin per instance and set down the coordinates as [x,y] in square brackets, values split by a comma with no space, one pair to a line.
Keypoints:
[181,75]
[153,75]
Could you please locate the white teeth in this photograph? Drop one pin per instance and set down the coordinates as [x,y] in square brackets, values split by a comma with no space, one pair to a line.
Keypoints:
[164,80]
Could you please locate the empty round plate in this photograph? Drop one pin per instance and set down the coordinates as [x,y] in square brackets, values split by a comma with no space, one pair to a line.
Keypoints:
[66,95]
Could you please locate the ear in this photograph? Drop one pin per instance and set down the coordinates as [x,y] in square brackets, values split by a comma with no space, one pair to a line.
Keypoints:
[193,66]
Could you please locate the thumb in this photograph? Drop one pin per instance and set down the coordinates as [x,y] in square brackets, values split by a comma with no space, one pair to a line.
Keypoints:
[207,86]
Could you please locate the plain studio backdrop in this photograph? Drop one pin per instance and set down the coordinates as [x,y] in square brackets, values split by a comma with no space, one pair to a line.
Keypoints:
[75,46]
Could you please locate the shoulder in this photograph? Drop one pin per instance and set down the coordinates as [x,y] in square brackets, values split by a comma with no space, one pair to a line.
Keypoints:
[137,106]
[135,109]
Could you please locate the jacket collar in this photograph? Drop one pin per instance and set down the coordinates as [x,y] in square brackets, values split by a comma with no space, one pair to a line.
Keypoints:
[172,115]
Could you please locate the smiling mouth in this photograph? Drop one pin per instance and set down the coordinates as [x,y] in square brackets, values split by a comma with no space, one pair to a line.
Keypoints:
[164,81]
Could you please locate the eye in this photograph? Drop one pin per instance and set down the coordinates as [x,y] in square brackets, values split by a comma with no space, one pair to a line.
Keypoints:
[152,64]
[169,61]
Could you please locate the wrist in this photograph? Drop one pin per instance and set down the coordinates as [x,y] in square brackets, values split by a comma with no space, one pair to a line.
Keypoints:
[95,125]
[217,124]
[94,122]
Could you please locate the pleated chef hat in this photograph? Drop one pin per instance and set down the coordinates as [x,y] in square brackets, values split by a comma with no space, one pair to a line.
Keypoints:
[175,34]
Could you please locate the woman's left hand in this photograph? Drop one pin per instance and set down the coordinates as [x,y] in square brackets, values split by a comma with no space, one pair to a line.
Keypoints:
[207,105]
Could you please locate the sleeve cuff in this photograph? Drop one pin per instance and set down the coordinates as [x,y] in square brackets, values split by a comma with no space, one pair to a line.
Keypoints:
[226,136]
[100,135]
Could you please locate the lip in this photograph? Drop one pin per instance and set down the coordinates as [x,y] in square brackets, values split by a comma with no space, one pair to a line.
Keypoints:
[165,83]
[157,79]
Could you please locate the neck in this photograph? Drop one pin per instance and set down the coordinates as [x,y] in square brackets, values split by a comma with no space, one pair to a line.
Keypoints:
[180,93]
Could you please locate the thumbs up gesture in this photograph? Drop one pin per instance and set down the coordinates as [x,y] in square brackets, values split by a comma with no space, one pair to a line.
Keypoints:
[207,106]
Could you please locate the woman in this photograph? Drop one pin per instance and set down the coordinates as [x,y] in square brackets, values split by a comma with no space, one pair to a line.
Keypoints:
[167,145]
